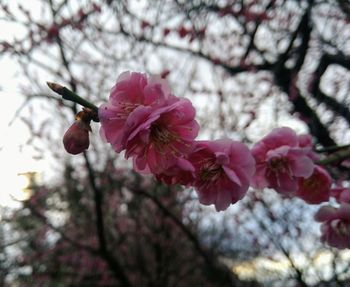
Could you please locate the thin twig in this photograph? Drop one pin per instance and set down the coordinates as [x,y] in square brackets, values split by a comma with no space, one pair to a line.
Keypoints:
[71,96]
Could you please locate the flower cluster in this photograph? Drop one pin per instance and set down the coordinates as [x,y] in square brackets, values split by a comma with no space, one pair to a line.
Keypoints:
[158,131]
[335,226]
[285,162]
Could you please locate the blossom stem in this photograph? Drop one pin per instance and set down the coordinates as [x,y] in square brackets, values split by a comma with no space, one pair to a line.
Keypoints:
[71,96]
[336,157]
[332,148]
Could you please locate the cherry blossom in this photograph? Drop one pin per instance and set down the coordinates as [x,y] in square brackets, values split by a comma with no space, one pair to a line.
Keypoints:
[156,138]
[316,188]
[182,172]
[341,194]
[131,91]
[223,170]
[335,226]
[281,161]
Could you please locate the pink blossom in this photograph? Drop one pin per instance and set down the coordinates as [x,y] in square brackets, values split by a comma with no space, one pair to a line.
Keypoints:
[182,172]
[157,137]
[183,31]
[345,196]
[223,170]
[96,8]
[131,91]
[335,226]
[52,32]
[76,138]
[341,194]
[166,32]
[305,141]
[280,161]
[346,163]
[316,188]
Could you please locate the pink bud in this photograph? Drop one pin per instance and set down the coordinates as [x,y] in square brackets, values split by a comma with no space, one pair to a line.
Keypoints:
[166,31]
[316,188]
[165,74]
[183,32]
[97,8]
[52,32]
[145,24]
[76,138]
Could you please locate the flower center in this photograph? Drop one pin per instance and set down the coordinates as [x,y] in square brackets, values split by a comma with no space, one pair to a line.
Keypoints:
[342,229]
[278,165]
[312,183]
[210,171]
[161,135]
[127,108]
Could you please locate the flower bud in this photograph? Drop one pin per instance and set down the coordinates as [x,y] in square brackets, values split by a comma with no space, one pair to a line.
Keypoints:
[76,138]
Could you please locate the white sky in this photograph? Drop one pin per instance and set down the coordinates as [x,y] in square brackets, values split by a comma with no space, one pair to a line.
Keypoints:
[14,157]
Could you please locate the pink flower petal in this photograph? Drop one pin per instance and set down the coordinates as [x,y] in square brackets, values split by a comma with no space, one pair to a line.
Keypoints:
[302,167]
[281,136]
[232,175]
[219,178]
[223,200]
[325,213]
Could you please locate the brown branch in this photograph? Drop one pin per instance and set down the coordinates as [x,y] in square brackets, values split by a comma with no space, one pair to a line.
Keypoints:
[336,157]
[326,60]
[112,262]
[199,54]
[286,79]
[73,242]
[105,253]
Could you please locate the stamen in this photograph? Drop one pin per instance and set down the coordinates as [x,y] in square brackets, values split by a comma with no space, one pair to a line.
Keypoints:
[210,171]
[161,136]
[342,229]
[279,165]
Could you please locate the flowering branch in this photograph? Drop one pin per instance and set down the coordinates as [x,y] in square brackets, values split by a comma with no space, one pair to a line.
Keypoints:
[332,148]
[105,253]
[158,130]
[336,157]
[75,141]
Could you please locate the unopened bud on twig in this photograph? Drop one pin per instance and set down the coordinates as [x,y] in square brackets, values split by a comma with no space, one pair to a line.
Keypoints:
[73,97]
[76,138]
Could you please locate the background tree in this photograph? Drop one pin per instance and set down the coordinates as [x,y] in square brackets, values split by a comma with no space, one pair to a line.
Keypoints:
[248,66]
